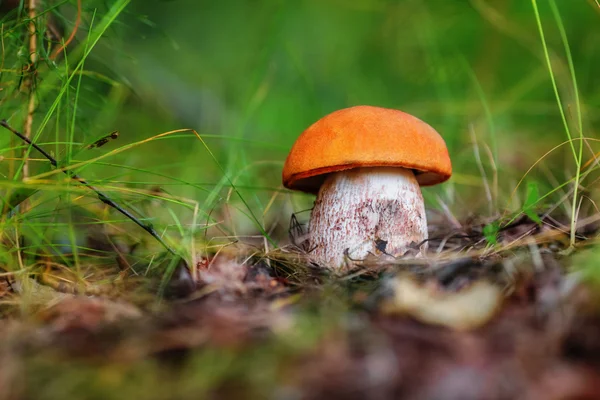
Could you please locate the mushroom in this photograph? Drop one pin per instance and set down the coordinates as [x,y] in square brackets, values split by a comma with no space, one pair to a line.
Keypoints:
[365,165]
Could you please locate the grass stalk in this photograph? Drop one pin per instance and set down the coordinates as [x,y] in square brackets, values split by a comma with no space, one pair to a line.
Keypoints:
[577,154]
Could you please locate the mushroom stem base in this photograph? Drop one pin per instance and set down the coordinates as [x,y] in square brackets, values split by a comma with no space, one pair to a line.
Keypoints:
[366,212]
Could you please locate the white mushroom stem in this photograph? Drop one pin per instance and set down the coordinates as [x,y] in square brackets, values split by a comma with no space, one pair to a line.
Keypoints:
[363,211]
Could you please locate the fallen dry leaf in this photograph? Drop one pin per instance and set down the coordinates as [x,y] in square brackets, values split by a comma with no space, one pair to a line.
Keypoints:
[465,309]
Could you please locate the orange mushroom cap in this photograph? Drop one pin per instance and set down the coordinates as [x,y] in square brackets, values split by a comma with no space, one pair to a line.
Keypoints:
[366,136]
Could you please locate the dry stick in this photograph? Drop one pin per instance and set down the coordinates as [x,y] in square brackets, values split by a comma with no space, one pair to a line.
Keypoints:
[31,10]
[101,196]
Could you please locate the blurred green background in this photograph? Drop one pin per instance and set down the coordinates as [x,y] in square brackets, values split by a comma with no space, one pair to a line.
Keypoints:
[249,76]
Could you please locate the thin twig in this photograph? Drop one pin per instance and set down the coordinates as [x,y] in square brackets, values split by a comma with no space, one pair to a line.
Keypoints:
[32,13]
[63,46]
[30,86]
[101,196]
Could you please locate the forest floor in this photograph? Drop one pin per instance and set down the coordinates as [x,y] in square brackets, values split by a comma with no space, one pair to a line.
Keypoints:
[275,326]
